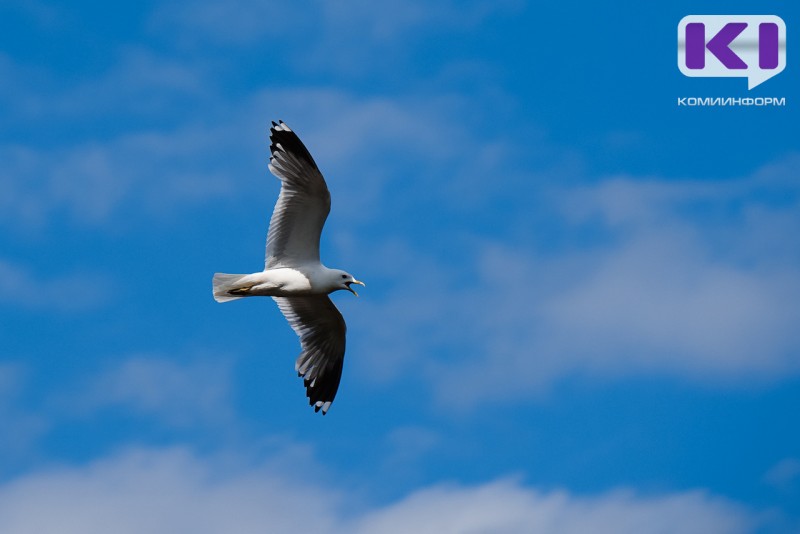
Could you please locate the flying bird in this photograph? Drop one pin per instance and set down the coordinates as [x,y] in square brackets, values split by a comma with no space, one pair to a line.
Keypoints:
[293,274]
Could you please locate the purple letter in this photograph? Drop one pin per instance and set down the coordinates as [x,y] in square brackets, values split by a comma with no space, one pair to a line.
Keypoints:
[768,45]
[718,45]
[695,45]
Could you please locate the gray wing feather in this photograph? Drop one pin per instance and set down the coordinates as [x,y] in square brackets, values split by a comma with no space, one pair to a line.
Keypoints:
[303,204]
[321,329]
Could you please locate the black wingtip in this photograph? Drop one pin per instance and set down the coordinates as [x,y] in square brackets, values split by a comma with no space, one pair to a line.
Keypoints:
[290,143]
[274,124]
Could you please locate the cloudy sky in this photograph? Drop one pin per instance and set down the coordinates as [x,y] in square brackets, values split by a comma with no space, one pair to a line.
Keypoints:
[582,300]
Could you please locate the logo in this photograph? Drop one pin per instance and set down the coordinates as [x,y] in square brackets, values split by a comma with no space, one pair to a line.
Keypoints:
[732,46]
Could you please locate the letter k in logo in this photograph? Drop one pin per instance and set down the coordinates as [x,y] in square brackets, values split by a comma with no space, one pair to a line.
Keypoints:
[719,45]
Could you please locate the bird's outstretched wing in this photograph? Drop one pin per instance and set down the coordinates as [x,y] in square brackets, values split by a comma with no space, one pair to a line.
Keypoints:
[303,205]
[321,329]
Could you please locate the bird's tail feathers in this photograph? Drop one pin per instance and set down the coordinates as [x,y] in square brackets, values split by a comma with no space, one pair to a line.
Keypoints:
[223,283]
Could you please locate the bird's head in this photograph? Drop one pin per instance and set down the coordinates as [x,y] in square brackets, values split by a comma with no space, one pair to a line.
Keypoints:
[346,280]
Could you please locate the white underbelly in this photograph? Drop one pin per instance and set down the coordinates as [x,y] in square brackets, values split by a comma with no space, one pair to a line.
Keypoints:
[282,282]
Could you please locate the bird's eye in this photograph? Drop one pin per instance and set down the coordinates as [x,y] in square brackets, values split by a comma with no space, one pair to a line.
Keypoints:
[344,276]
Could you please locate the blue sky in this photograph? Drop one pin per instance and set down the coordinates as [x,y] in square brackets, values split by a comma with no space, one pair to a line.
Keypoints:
[582,299]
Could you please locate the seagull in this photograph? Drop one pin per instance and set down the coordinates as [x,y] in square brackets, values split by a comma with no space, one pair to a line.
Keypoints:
[293,274]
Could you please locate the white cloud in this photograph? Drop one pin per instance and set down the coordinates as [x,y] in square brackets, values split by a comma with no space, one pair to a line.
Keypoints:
[696,280]
[24,289]
[697,277]
[92,181]
[403,448]
[784,473]
[661,302]
[171,135]
[140,84]
[175,490]
[626,202]
[178,394]
[335,31]
[237,22]
[22,427]
[9,379]
[364,39]
[36,10]
[366,147]
[160,491]
[139,87]
[360,141]
[507,507]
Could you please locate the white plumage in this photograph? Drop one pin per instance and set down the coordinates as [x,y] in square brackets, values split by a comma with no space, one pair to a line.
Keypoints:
[293,274]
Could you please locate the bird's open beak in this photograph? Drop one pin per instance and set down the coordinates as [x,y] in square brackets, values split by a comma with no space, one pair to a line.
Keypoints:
[350,288]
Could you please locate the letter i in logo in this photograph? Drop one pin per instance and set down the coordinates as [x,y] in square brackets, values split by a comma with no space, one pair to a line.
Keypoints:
[722,46]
